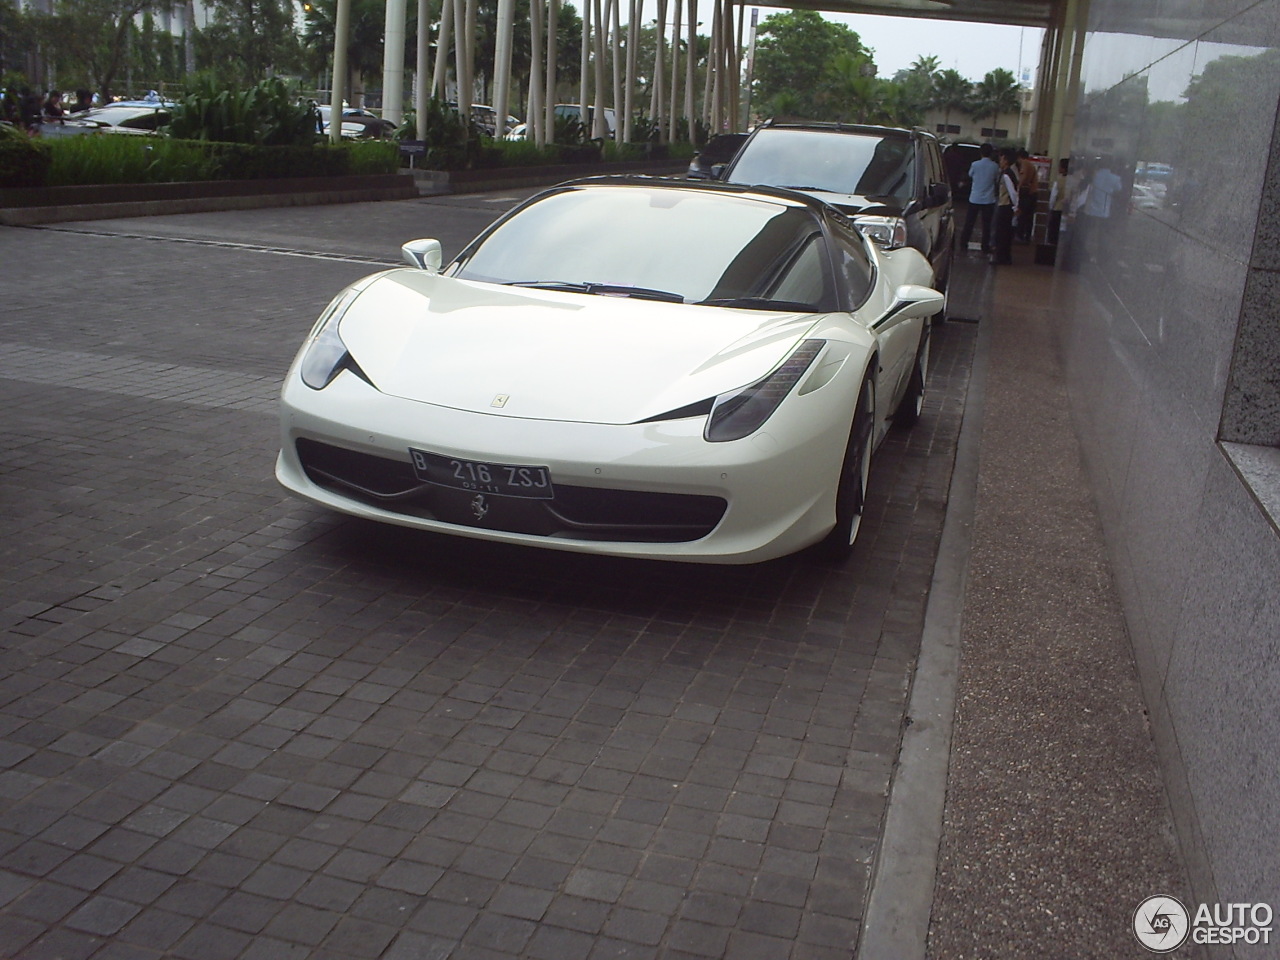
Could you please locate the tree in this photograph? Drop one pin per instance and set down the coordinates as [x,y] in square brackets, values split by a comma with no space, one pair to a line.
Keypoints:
[994,94]
[913,93]
[850,89]
[249,40]
[951,92]
[794,56]
[568,44]
[92,38]
[364,46]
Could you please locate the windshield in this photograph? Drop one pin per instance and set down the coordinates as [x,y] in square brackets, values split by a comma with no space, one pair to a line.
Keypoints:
[869,165]
[662,243]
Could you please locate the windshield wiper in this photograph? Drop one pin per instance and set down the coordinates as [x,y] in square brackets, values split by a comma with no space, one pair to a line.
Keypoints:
[761,303]
[792,186]
[601,289]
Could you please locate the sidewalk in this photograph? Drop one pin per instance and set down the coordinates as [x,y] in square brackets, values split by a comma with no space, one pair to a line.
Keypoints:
[1056,824]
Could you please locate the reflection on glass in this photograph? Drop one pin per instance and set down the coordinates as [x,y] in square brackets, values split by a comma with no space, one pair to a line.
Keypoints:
[691,245]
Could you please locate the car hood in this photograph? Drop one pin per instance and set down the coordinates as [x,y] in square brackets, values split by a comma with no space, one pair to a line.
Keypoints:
[549,355]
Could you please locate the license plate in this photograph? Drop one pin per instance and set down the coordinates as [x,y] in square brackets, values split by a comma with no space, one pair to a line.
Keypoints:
[500,479]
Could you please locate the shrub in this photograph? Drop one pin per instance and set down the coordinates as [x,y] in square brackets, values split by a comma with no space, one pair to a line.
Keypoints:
[118,158]
[270,113]
[518,153]
[450,144]
[24,162]
[121,158]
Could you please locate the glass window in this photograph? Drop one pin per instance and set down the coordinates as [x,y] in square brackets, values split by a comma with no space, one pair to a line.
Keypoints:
[695,244]
[852,261]
[832,160]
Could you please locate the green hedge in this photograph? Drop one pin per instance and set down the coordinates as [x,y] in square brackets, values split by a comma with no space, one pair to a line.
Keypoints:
[23,163]
[121,158]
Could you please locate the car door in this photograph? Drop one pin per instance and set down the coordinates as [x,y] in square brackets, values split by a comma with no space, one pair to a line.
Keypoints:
[935,211]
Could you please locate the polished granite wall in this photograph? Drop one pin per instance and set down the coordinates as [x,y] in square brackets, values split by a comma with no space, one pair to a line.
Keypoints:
[1171,332]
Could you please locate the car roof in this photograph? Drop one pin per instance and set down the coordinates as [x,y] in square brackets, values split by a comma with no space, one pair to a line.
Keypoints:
[121,111]
[835,126]
[758,191]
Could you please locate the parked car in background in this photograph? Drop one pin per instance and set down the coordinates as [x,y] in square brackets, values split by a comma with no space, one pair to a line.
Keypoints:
[574,111]
[892,181]
[558,385]
[123,116]
[708,162]
[487,119]
[357,123]
[957,158]
[568,111]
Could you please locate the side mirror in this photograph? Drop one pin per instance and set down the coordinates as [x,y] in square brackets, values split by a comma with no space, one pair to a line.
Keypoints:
[912,300]
[423,254]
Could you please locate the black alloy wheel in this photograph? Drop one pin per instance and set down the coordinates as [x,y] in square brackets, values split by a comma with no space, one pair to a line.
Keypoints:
[855,471]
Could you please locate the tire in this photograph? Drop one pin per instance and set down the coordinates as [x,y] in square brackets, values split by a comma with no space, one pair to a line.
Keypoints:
[912,404]
[855,469]
[945,313]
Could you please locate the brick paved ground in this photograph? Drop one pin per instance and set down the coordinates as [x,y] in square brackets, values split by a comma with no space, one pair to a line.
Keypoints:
[234,725]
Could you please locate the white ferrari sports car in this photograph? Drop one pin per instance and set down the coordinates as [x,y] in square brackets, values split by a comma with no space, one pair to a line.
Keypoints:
[683,370]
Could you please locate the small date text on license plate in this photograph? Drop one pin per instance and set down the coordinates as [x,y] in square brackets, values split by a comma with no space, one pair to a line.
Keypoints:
[500,479]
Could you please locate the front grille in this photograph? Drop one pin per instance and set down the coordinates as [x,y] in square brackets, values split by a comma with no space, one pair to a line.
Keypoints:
[579,513]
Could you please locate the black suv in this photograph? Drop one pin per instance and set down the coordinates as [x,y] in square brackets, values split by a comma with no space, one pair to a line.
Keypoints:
[891,181]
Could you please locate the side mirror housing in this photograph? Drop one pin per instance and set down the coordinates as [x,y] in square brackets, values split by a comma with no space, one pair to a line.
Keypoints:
[423,254]
[912,300]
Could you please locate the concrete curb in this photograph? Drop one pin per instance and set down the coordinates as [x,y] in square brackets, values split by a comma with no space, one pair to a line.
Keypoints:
[896,924]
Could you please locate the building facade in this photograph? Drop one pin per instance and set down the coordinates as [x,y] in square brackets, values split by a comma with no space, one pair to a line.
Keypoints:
[1170,331]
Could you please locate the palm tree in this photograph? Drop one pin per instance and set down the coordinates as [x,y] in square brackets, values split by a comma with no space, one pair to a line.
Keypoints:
[995,94]
[364,51]
[925,65]
[950,92]
[852,91]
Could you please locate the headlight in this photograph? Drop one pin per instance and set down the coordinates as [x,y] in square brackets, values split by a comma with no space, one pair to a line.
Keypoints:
[324,353]
[889,231]
[741,413]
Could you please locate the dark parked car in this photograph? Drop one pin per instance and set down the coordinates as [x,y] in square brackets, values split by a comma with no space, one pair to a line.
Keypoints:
[957,158]
[718,151]
[891,181]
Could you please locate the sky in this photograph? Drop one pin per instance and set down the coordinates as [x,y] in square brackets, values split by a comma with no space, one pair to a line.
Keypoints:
[973,49]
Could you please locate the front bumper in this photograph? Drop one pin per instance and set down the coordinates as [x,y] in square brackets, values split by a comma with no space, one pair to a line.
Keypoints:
[655,490]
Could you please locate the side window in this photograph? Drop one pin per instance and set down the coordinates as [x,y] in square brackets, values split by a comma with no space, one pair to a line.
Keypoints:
[936,174]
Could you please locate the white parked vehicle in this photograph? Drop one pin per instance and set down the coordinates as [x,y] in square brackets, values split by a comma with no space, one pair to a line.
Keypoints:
[125,116]
[629,366]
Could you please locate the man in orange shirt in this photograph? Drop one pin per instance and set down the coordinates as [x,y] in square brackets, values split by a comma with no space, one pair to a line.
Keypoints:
[1028,193]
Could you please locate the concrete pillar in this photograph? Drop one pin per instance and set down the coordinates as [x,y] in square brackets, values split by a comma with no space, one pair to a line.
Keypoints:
[393,62]
[502,64]
[422,89]
[341,33]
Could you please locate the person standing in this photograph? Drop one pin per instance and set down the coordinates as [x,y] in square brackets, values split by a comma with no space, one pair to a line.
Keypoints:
[1006,204]
[53,110]
[1097,209]
[1028,194]
[983,173]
